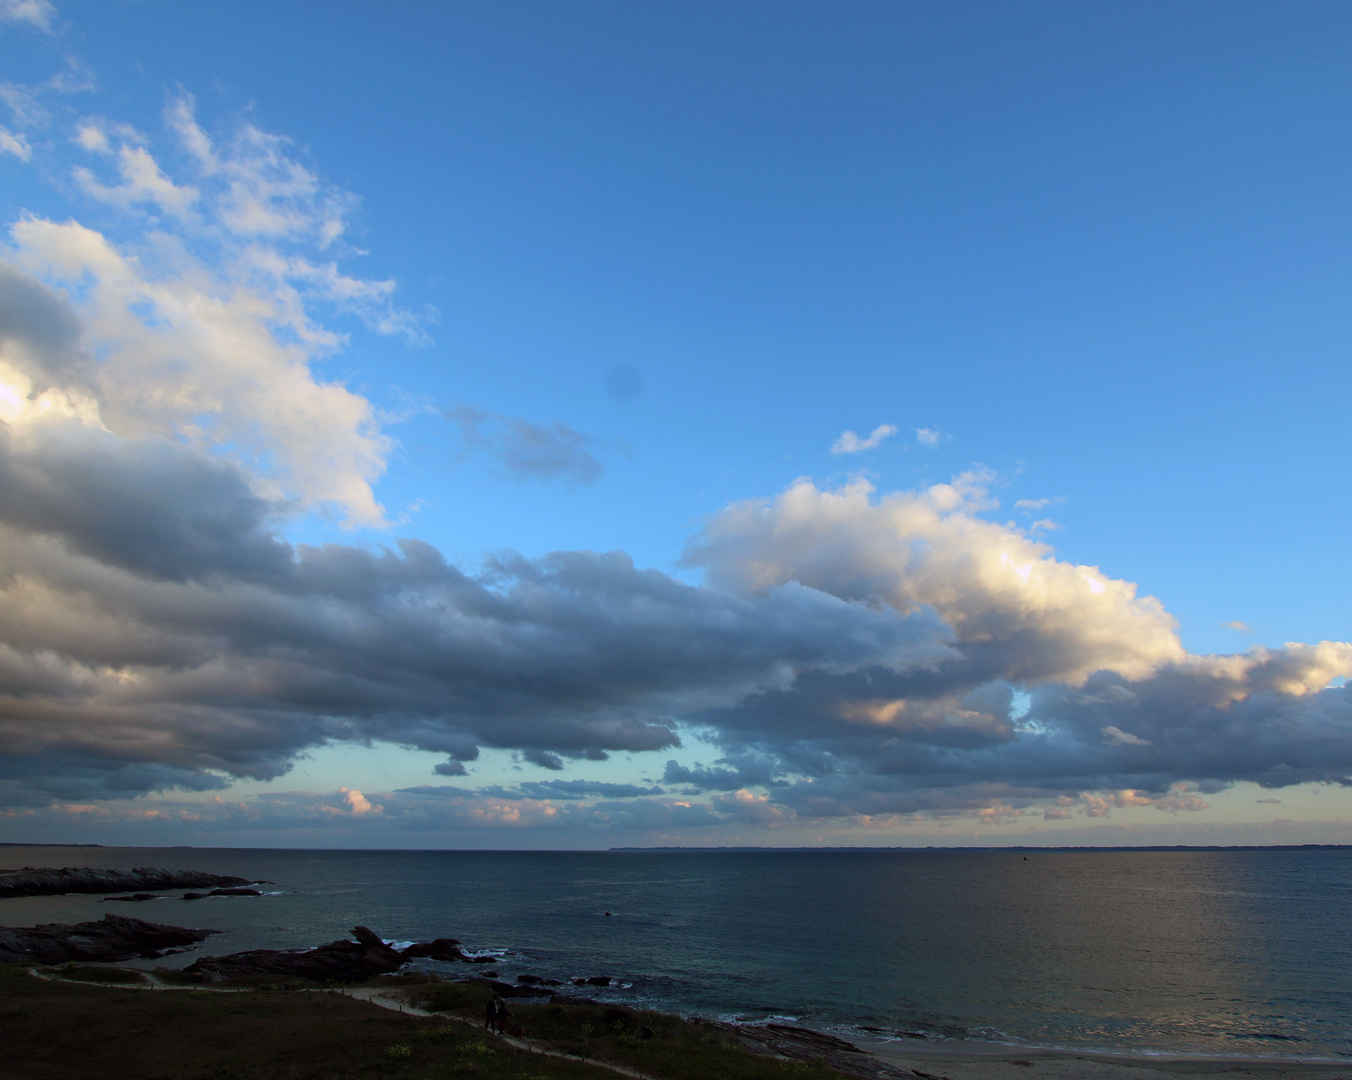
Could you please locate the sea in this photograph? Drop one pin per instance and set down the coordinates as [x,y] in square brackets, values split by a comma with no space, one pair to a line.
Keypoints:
[1212,952]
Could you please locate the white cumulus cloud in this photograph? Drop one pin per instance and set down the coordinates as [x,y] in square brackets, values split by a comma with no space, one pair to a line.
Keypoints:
[850,443]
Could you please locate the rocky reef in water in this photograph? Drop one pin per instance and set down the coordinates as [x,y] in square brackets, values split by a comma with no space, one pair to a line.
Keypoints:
[340,961]
[46,881]
[115,937]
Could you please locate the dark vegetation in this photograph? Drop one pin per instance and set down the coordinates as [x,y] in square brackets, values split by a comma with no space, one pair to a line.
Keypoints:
[88,1031]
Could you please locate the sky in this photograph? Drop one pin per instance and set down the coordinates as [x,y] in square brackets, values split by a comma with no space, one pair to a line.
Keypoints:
[575,425]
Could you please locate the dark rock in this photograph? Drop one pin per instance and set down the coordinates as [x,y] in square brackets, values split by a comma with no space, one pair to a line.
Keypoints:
[135,896]
[443,948]
[221,892]
[529,980]
[595,980]
[341,961]
[116,937]
[38,881]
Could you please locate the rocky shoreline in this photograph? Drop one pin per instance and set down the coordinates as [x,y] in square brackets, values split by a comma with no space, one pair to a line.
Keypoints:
[114,938]
[48,881]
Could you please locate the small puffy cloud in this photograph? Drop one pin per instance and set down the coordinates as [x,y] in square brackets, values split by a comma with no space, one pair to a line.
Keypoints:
[1117,737]
[450,768]
[358,803]
[525,450]
[929,436]
[1235,624]
[850,443]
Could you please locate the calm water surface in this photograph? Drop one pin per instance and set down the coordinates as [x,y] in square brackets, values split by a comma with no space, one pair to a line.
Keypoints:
[1209,952]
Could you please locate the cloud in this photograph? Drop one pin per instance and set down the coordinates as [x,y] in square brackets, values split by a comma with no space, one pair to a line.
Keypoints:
[1235,624]
[358,803]
[159,632]
[141,181]
[1031,506]
[1117,737]
[14,144]
[525,450]
[850,443]
[37,13]
[738,770]
[203,332]
[581,789]
[929,436]
[1116,703]
[1019,613]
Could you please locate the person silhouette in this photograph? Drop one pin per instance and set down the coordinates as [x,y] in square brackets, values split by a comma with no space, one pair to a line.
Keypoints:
[490,1013]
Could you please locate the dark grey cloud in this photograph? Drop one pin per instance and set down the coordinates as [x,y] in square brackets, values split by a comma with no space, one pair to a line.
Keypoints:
[524,450]
[157,633]
[143,505]
[735,770]
[39,333]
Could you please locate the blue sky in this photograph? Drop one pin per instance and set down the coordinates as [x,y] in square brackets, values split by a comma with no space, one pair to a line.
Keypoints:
[516,279]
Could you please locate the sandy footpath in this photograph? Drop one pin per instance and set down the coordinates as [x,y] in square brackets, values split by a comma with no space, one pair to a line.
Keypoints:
[992,1061]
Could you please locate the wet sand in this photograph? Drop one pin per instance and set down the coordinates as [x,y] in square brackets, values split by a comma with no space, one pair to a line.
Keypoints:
[994,1061]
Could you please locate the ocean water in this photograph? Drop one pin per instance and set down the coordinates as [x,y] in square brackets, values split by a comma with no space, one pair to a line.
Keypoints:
[1214,952]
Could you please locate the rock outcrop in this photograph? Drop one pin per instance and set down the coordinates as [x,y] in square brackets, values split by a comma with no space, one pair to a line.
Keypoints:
[340,961]
[115,937]
[443,948]
[45,881]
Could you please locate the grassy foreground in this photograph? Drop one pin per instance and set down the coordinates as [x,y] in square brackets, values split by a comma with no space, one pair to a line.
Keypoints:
[100,1030]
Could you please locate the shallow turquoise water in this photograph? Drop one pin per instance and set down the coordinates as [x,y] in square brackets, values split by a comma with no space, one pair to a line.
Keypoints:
[1215,952]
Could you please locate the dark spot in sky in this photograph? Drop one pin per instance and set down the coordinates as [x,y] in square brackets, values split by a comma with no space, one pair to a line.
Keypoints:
[624,382]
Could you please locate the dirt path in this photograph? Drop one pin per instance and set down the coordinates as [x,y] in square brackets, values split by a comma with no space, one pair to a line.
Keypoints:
[375,995]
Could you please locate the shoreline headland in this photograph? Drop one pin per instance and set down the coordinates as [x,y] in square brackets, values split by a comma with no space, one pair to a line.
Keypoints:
[609,1029]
